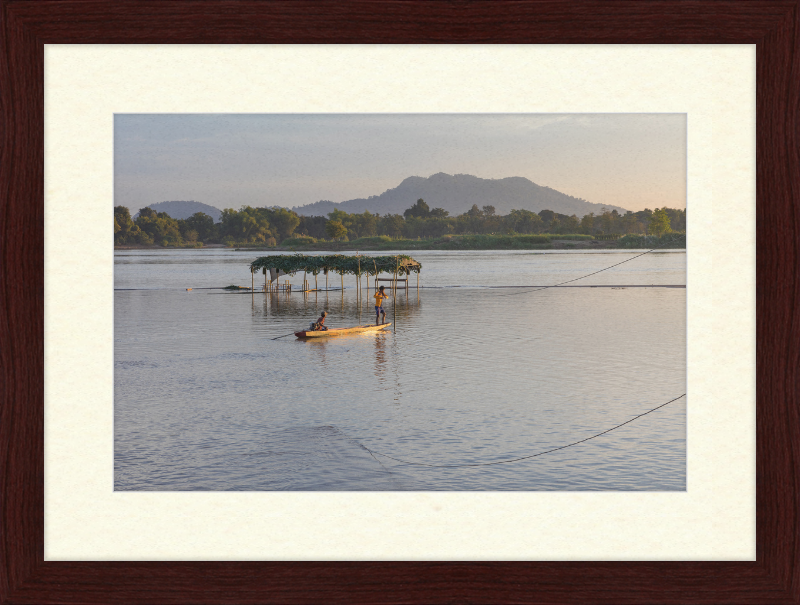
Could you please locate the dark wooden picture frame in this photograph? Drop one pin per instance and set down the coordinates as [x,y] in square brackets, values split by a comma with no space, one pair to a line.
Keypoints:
[27,25]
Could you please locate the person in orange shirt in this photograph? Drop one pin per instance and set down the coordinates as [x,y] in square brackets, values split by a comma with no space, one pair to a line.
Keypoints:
[380,296]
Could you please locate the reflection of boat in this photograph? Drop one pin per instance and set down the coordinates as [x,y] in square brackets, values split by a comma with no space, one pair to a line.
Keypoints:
[341,331]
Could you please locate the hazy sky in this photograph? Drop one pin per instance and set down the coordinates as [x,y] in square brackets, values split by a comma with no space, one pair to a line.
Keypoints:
[230,160]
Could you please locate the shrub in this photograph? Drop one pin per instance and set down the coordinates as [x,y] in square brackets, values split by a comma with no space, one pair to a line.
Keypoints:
[572,236]
[668,240]
[493,242]
[372,241]
[300,240]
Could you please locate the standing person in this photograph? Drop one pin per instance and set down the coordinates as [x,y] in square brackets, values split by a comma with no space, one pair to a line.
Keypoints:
[380,296]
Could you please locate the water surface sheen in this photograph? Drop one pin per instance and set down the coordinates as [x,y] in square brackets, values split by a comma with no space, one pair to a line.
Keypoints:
[478,370]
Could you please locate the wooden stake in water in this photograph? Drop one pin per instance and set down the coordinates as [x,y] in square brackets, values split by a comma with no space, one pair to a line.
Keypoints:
[394,295]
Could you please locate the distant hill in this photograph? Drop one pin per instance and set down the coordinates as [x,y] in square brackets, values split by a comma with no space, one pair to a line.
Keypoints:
[183,210]
[457,193]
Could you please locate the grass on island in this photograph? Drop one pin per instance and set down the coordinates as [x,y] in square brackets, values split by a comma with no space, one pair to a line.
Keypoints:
[474,242]
[447,242]
[666,241]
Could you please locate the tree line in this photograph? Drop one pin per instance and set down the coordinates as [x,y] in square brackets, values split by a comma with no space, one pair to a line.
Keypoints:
[271,226]
[247,225]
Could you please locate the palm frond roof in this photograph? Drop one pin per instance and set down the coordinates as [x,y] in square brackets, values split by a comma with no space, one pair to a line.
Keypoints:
[337,263]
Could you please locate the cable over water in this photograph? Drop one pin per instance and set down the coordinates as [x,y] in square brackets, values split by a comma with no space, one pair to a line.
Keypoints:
[584,276]
[375,453]
[555,449]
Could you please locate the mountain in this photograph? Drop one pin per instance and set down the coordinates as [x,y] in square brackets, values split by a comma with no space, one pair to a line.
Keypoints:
[183,210]
[457,193]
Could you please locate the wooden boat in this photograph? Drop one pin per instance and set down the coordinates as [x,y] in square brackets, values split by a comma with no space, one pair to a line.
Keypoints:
[341,331]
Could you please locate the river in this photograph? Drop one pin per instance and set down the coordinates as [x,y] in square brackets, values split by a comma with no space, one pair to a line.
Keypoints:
[479,368]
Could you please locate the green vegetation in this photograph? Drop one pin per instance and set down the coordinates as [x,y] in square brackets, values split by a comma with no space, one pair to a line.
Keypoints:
[158,228]
[420,227]
[575,237]
[448,242]
[668,240]
[335,230]
[493,242]
[301,240]
[378,240]
[337,263]
[659,223]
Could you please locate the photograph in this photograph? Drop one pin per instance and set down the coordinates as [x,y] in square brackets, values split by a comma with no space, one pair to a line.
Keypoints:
[397,305]
[400,302]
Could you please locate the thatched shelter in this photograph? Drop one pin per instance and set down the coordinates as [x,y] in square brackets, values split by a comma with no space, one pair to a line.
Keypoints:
[342,264]
[338,263]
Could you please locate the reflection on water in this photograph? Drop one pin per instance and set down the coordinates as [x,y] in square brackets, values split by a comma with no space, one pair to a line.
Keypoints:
[205,399]
[380,357]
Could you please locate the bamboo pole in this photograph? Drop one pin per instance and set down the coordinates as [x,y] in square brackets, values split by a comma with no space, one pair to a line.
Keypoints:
[394,296]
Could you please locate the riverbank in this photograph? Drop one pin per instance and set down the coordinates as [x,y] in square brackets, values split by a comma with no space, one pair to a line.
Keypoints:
[455,242]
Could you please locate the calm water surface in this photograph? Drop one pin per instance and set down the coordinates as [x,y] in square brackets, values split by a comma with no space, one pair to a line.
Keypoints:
[477,370]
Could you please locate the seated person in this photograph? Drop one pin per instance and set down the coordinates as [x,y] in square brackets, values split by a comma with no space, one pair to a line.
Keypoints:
[319,325]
